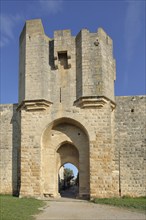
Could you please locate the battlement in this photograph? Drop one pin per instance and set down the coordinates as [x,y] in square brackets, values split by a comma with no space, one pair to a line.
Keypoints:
[62,33]
[35,27]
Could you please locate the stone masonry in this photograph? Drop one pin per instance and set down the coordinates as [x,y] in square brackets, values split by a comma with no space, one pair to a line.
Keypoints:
[67,112]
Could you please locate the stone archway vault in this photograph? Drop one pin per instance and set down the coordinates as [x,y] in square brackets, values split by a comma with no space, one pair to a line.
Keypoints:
[62,142]
[67,153]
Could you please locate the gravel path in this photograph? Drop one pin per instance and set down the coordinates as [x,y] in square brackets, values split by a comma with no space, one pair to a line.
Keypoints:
[68,209]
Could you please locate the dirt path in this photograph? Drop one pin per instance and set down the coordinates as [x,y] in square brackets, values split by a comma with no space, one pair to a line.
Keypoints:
[69,209]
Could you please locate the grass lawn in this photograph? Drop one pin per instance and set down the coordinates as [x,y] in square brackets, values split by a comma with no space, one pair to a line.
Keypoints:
[13,208]
[138,204]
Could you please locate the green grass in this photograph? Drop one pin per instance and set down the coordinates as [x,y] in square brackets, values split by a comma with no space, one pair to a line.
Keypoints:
[13,208]
[138,204]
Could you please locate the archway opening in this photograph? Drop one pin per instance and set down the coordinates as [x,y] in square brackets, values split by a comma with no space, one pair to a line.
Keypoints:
[68,181]
[65,141]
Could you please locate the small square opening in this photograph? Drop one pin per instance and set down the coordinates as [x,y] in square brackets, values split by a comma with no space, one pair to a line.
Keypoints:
[62,57]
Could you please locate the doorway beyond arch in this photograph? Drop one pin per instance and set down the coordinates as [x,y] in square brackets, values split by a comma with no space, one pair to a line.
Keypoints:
[68,181]
[67,153]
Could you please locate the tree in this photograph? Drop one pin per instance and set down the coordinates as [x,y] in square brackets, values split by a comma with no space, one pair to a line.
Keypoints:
[68,176]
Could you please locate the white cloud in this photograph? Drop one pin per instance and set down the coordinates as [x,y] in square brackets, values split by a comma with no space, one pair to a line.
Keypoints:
[51,6]
[7,26]
[132,27]
[9,22]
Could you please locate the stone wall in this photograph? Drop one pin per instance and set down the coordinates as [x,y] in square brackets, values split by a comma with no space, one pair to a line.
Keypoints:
[43,133]
[130,137]
[124,126]
[9,149]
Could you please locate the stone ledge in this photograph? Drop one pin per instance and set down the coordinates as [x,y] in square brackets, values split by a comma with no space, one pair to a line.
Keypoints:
[93,102]
[34,105]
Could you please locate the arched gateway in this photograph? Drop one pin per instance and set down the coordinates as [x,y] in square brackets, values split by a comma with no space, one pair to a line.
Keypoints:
[64,141]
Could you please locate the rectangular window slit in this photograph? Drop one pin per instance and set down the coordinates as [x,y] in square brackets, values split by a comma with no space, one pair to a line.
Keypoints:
[60,95]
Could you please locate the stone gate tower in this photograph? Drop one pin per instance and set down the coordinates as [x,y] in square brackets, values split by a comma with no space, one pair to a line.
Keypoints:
[66,99]
[67,113]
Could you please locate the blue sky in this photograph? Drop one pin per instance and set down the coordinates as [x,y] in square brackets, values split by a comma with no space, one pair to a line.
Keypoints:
[72,167]
[124,21]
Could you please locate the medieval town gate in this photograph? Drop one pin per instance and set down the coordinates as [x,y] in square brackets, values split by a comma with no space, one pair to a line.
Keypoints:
[67,112]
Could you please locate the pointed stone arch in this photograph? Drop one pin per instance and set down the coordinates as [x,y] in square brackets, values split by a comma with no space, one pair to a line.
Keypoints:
[64,140]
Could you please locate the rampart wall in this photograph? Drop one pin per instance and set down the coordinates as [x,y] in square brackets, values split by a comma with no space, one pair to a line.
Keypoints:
[9,149]
[130,140]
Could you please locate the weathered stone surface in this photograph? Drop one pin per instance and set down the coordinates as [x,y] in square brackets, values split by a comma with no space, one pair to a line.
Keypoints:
[9,149]
[130,142]
[67,112]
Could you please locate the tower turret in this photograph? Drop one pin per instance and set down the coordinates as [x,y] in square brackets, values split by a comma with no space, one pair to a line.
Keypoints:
[33,67]
[95,70]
